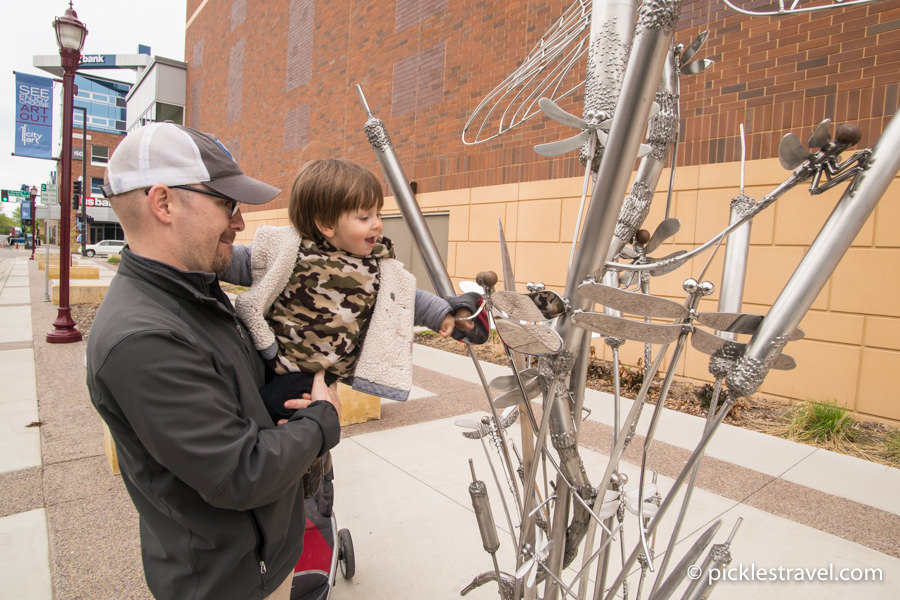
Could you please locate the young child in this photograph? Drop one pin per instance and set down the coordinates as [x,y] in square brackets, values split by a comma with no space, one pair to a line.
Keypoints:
[327,292]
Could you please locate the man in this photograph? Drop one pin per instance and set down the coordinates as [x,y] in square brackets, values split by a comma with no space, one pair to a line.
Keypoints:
[172,371]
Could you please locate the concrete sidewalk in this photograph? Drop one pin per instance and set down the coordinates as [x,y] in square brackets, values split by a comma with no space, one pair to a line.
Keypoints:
[68,529]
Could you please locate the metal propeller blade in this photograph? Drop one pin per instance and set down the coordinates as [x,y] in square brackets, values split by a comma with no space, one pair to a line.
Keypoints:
[791,153]
[534,340]
[517,307]
[553,111]
[567,145]
[710,344]
[529,568]
[482,427]
[821,135]
[745,323]
[627,329]
[663,231]
[632,303]
[695,45]
[631,501]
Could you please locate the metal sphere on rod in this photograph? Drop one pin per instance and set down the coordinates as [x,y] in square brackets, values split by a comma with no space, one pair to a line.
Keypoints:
[70,34]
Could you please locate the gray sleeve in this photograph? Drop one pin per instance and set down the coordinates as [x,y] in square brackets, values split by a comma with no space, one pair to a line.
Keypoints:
[430,310]
[238,272]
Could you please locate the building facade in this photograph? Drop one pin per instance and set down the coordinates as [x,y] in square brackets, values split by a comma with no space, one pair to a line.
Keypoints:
[275,82]
[103,104]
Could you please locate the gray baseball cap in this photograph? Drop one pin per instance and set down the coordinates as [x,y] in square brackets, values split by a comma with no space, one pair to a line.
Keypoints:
[171,154]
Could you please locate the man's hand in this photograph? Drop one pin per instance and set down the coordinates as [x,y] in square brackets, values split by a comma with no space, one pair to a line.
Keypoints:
[319,391]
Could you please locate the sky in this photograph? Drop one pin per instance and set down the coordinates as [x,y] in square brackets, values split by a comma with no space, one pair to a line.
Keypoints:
[114,27]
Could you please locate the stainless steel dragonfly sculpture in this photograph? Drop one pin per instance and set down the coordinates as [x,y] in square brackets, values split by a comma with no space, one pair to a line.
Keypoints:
[634,68]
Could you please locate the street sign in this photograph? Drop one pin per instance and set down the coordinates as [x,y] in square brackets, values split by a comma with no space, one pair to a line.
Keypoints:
[18,193]
[49,195]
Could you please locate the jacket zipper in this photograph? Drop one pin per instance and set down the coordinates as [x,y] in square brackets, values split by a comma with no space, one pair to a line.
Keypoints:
[260,547]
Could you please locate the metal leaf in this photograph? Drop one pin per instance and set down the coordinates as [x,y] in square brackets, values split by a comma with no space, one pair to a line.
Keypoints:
[698,66]
[695,45]
[507,383]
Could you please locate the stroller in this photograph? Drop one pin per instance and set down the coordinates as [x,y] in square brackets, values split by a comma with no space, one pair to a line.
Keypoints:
[324,546]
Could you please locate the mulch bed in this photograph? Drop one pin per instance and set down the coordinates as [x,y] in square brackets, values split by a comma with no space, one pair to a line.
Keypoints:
[877,442]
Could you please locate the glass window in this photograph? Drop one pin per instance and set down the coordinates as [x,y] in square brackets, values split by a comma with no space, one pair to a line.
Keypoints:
[105,103]
[169,112]
[99,155]
[96,182]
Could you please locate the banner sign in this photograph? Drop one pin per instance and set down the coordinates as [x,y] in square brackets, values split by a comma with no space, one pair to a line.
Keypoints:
[34,115]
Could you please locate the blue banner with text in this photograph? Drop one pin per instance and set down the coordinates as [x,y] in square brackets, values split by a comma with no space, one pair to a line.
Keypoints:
[34,115]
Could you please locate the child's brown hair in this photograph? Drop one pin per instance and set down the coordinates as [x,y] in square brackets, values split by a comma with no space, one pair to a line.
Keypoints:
[325,189]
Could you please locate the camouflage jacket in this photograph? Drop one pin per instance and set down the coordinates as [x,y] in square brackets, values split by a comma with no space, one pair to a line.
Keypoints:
[384,365]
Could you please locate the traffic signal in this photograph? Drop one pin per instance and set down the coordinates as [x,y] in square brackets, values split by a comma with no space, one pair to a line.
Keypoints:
[76,194]
[4,195]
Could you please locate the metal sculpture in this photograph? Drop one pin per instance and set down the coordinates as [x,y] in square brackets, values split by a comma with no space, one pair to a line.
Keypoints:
[546,335]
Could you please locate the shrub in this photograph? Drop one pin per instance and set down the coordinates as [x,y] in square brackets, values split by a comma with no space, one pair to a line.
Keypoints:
[114,259]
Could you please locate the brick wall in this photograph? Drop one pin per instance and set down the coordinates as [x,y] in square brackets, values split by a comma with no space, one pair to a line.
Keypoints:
[98,138]
[425,64]
[784,74]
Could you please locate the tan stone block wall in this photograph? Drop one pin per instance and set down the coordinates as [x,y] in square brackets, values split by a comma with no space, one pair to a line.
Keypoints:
[852,343]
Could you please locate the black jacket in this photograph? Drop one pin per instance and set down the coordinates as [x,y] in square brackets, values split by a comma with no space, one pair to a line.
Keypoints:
[217,486]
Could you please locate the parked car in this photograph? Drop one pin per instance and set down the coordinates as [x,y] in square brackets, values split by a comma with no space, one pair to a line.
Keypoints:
[105,248]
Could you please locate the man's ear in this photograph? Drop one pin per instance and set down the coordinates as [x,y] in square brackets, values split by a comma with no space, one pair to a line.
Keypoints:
[160,201]
[326,231]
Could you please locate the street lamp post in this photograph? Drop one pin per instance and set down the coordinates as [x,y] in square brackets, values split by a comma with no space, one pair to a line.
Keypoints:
[70,34]
[33,192]
[84,181]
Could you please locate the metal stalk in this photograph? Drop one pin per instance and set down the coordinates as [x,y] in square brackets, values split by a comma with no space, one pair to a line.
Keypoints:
[819,262]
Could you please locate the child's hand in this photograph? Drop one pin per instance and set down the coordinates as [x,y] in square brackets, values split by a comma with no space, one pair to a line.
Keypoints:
[447,326]
[462,325]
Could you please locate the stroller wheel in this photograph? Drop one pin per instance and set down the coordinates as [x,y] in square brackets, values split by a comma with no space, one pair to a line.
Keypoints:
[345,554]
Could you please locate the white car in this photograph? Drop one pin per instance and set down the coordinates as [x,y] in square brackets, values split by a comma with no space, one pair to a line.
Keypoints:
[105,248]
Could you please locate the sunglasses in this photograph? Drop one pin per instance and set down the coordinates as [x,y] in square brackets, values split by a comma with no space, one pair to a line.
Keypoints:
[230,203]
